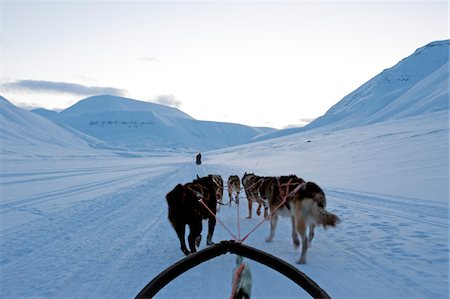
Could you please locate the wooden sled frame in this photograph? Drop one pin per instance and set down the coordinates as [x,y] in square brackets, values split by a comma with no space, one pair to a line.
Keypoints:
[237,248]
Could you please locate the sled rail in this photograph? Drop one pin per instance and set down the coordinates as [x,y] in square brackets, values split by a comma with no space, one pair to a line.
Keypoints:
[190,261]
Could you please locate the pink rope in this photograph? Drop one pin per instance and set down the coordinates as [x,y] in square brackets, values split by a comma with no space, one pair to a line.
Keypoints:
[276,209]
[238,239]
[218,220]
[238,219]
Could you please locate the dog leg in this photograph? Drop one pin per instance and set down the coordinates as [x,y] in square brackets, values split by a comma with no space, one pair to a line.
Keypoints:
[294,234]
[194,235]
[273,226]
[258,210]
[250,203]
[266,210]
[180,230]
[311,234]
[211,226]
[301,230]
[237,197]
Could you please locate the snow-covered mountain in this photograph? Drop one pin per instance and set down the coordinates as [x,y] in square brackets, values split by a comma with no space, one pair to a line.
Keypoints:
[25,133]
[418,84]
[50,114]
[144,126]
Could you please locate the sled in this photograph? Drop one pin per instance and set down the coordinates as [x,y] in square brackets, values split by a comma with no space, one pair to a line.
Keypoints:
[291,272]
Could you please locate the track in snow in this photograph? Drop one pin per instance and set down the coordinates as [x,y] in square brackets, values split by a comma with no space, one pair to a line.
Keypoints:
[112,244]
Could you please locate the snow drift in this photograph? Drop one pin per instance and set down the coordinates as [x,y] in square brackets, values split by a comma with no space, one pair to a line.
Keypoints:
[24,133]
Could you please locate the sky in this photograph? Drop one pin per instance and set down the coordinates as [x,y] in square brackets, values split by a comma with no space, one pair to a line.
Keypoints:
[258,63]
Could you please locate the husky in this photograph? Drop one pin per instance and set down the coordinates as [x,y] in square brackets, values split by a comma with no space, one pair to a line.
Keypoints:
[219,191]
[185,209]
[275,191]
[310,203]
[234,185]
[251,183]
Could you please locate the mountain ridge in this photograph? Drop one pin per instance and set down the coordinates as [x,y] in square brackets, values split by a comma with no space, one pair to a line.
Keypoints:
[142,126]
[417,83]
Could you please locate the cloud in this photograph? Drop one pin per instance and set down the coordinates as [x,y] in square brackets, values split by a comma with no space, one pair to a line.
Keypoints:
[149,59]
[168,100]
[301,123]
[60,87]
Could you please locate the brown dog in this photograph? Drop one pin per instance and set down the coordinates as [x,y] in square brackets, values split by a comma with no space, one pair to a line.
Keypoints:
[310,203]
[251,183]
[279,193]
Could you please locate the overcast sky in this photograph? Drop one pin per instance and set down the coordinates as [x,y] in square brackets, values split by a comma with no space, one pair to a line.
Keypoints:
[251,62]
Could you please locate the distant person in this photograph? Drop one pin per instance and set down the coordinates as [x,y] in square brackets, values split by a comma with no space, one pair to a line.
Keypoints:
[198,159]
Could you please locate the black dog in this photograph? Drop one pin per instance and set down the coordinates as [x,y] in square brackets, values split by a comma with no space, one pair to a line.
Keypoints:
[185,208]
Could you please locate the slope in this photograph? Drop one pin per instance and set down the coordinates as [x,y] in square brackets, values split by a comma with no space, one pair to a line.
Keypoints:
[99,227]
[144,126]
[25,133]
[418,84]
[424,74]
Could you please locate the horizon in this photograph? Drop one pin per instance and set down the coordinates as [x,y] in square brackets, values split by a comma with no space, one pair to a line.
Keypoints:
[261,64]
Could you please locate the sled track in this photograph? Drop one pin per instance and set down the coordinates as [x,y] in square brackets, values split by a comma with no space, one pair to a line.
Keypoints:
[426,212]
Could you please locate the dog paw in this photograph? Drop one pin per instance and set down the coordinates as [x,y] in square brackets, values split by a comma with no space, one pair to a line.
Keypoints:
[269,239]
[302,260]
[296,242]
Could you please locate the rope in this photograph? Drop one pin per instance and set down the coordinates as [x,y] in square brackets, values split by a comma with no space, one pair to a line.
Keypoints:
[238,222]
[225,204]
[200,197]
[238,239]
[236,279]
[276,209]
[218,220]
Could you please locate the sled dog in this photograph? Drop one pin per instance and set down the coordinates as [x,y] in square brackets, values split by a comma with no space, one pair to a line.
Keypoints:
[275,191]
[251,183]
[310,203]
[185,209]
[219,193]
[234,186]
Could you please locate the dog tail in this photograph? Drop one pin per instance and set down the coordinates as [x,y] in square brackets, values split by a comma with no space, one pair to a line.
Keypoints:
[325,218]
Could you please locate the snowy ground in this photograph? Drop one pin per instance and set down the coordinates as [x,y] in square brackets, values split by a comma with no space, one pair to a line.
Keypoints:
[97,227]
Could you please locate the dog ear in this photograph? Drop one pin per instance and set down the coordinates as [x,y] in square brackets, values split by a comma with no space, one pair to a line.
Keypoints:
[198,177]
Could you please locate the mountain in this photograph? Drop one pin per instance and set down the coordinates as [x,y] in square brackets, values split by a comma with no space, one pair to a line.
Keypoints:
[24,132]
[50,114]
[144,126]
[418,84]
[107,103]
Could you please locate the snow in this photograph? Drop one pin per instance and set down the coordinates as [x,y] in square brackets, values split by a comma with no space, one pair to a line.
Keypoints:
[96,226]
[81,219]
[136,125]
[416,85]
